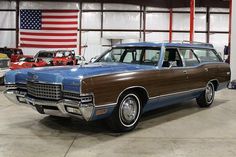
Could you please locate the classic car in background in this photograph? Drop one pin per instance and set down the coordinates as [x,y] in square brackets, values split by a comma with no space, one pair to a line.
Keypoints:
[16,55]
[4,66]
[46,56]
[123,83]
[7,51]
[28,62]
[64,57]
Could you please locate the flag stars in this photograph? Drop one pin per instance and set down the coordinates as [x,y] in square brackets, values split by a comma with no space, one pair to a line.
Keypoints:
[30,19]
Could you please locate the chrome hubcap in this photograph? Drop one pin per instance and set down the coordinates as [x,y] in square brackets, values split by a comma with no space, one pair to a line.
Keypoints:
[129,110]
[209,93]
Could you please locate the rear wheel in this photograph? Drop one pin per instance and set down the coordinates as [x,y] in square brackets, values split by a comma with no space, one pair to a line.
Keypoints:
[127,113]
[207,97]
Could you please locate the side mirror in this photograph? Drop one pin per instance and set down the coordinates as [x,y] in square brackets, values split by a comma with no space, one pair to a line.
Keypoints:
[172,63]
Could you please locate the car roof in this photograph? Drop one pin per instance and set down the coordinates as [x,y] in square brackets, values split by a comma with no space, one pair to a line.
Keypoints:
[43,51]
[153,45]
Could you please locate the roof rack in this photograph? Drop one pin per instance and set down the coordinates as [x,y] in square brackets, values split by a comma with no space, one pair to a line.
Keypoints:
[191,42]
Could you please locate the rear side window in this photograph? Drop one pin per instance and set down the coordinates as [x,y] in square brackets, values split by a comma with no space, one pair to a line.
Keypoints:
[189,58]
[207,55]
[150,56]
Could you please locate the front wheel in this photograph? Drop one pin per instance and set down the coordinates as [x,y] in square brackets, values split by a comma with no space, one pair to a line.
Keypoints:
[127,113]
[207,97]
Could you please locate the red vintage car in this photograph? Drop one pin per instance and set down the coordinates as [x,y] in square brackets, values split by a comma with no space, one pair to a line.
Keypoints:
[64,57]
[16,55]
[28,62]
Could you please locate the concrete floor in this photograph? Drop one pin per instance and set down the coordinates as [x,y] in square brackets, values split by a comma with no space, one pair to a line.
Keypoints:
[182,130]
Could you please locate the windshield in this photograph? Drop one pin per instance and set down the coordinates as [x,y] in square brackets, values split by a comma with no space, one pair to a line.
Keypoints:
[45,54]
[145,56]
[27,60]
[60,54]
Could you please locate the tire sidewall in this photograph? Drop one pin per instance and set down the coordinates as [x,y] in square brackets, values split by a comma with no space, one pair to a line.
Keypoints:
[213,92]
[134,123]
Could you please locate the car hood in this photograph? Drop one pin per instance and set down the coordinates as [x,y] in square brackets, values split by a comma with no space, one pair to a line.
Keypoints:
[70,75]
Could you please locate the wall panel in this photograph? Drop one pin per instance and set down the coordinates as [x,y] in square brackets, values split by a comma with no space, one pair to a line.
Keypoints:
[119,20]
[108,6]
[8,39]
[91,20]
[157,21]
[180,21]
[156,37]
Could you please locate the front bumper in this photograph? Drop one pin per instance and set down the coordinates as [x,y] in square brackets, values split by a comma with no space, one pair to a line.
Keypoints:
[62,108]
[3,72]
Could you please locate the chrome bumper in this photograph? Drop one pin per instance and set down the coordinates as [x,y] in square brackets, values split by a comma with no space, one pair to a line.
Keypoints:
[62,108]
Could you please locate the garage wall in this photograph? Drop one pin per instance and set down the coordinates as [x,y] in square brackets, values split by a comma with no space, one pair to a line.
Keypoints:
[106,24]
[233,43]
[7,24]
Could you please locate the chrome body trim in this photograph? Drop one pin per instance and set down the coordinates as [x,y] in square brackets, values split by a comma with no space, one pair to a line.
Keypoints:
[132,87]
[176,93]
[105,105]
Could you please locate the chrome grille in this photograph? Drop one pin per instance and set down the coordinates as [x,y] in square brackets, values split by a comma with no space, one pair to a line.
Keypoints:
[71,95]
[45,91]
[21,86]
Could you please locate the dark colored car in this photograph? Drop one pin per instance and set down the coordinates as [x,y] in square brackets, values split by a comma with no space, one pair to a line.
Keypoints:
[14,54]
[123,83]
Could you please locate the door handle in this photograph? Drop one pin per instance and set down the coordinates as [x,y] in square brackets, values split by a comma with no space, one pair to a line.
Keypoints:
[185,71]
[206,69]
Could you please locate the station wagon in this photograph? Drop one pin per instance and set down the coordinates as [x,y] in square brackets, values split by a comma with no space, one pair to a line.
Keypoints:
[123,83]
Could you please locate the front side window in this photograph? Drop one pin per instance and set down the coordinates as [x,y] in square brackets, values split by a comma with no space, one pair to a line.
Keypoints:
[172,58]
[27,60]
[144,56]
[61,54]
[189,58]
[207,55]
[151,57]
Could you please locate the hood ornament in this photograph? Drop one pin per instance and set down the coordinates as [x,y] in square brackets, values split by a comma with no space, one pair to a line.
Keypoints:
[34,78]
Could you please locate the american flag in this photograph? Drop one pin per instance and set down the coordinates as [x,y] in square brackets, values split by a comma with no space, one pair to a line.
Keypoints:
[48,28]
